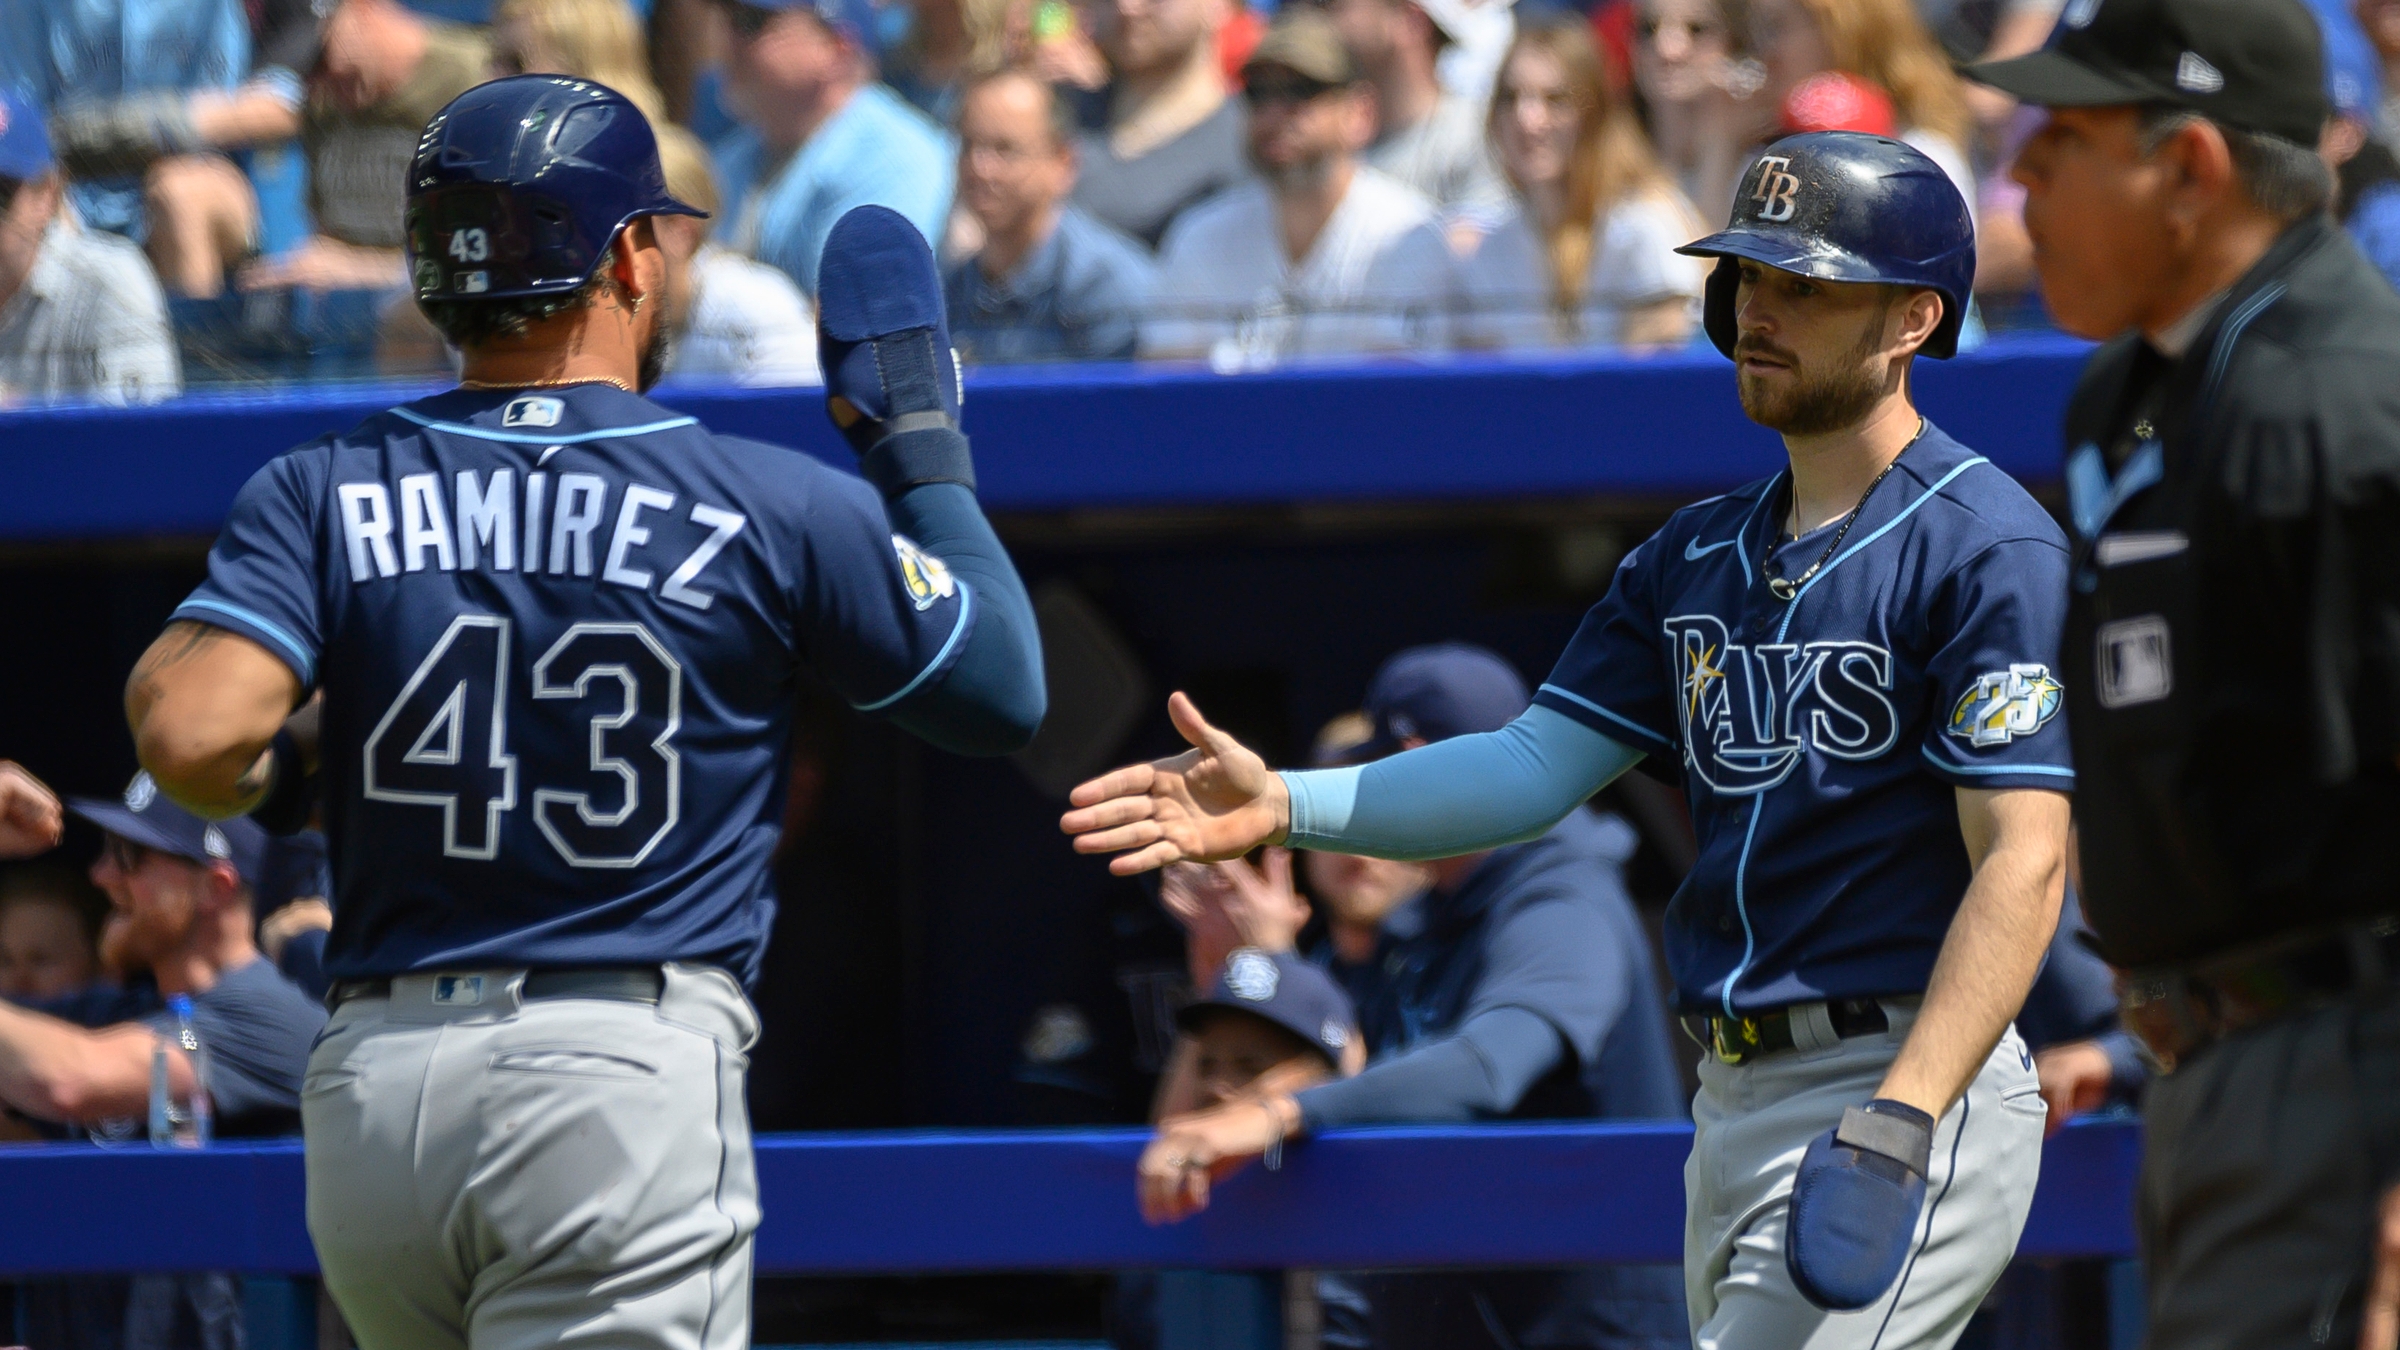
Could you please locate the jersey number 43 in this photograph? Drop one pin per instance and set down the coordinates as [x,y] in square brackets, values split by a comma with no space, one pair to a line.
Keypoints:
[444,741]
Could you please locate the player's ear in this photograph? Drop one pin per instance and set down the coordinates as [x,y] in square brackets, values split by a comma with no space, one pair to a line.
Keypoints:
[638,265]
[1917,315]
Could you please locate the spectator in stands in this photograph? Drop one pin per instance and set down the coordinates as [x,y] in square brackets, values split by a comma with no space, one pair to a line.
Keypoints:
[818,135]
[48,941]
[1882,42]
[2366,174]
[80,314]
[1701,97]
[179,889]
[1050,283]
[1425,136]
[384,72]
[143,101]
[2380,19]
[1520,987]
[1173,136]
[1319,255]
[736,319]
[597,40]
[1585,255]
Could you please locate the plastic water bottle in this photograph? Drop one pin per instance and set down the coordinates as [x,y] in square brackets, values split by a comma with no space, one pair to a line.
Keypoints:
[189,1123]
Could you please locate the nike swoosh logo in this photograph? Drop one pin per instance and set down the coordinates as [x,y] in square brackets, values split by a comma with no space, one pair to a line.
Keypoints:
[546,454]
[1692,552]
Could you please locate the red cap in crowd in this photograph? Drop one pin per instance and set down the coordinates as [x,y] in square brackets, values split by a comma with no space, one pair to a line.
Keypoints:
[1837,100]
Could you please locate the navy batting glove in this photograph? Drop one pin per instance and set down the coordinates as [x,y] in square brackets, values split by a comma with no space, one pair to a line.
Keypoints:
[891,378]
[1855,1203]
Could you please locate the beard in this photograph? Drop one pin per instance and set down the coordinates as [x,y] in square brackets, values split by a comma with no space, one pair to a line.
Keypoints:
[658,350]
[1812,404]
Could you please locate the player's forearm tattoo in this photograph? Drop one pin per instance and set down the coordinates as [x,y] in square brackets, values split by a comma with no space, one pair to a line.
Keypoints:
[182,640]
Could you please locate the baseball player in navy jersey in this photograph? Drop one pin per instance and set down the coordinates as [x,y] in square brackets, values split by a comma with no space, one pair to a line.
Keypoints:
[1851,667]
[556,629]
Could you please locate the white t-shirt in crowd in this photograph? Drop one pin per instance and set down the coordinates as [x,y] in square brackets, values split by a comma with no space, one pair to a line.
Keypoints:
[749,324]
[89,322]
[1505,284]
[1446,158]
[1378,278]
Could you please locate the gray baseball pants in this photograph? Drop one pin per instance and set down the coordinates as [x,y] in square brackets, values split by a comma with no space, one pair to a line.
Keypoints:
[1755,1120]
[506,1174]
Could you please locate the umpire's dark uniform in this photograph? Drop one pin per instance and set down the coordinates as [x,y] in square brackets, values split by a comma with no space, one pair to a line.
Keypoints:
[2233,674]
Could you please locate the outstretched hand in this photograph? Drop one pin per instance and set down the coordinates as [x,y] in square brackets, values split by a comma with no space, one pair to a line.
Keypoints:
[1214,801]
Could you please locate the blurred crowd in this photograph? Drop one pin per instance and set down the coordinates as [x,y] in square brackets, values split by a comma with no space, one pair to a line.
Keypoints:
[197,191]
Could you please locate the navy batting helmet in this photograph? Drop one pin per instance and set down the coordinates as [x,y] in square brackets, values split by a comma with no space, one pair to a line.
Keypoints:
[1845,206]
[519,186]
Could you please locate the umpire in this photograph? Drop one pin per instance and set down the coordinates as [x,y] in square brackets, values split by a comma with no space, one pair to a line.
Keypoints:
[2232,649]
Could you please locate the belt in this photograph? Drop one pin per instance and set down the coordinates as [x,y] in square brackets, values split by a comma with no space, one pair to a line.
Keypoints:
[625,984]
[1738,1040]
[2178,1011]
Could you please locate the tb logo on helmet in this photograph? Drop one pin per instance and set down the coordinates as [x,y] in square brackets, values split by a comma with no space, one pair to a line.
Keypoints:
[1777,186]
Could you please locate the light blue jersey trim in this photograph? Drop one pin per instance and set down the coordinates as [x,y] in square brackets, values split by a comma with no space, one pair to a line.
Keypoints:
[2045,770]
[1587,705]
[958,630]
[1741,905]
[300,654]
[522,438]
[1741,549]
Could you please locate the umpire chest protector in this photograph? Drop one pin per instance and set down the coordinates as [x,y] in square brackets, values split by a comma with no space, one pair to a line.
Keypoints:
[2232,648]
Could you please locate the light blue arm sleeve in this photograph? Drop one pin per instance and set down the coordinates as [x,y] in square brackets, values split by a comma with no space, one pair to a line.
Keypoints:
[1461,795]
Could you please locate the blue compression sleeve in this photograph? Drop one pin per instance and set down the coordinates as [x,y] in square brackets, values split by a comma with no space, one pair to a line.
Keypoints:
[1480,1071]
[991,700]
[1461,795]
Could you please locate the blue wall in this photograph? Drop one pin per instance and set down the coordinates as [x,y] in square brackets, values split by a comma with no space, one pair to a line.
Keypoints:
[1122,436]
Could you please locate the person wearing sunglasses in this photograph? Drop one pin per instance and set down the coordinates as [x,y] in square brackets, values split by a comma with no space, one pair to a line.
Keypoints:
[1317,255]
[179,894]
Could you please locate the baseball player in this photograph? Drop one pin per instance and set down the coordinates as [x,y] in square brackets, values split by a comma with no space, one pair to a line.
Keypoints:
[1851,666]
[556,628]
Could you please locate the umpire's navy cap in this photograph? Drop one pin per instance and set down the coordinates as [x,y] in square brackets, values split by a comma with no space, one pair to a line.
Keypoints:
[1284,990]
[1437,692]
[144,816]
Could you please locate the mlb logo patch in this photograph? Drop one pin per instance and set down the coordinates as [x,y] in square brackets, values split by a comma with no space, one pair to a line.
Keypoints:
[532,412]
[474,283]
[458,990]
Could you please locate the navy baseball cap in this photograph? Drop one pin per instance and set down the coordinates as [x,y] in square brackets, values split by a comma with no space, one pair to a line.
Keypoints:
[861,21]
[1284,990]
[24,140]
[144,816]
[1435,693]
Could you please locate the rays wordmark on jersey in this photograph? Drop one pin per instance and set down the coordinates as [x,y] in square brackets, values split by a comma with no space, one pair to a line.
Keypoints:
[1750,712]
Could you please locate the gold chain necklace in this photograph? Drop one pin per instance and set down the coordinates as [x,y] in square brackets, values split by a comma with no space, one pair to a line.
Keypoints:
[545,384]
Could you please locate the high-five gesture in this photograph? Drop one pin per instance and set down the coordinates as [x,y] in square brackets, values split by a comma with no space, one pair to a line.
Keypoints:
[1216,800]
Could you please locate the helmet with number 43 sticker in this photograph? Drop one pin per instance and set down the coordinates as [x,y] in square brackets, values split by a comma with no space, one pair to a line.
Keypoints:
[519,186]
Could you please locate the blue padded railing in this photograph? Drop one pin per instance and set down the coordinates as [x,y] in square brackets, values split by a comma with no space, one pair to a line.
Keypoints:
[1060,438]
[956,1202]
